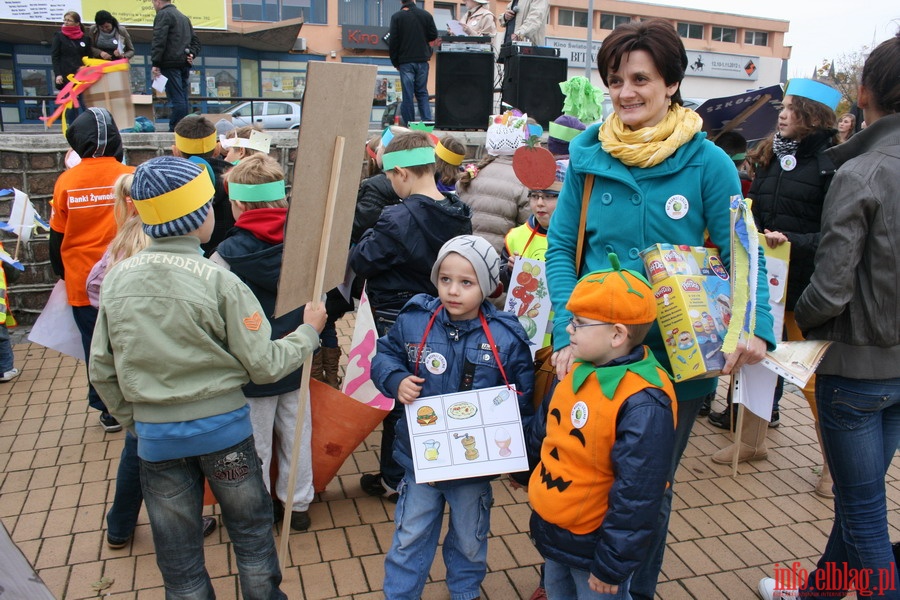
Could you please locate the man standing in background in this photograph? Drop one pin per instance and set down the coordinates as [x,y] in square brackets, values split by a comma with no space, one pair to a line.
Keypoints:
[172,53]
[412,31]
[525,21]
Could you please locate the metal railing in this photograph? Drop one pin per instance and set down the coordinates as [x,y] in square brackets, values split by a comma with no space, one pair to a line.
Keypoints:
[46,104]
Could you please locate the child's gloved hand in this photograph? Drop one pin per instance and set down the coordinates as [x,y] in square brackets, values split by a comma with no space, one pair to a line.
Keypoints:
[314,314]
[409,389]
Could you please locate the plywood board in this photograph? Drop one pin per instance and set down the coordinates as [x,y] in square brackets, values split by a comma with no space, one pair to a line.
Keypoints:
[337,103]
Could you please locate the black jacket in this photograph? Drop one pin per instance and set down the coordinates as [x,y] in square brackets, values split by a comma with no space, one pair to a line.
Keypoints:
[221,208]
[375,193]
[396,255]
[66,55]
[258,264]
[791,202]
[173,39]
[411,31]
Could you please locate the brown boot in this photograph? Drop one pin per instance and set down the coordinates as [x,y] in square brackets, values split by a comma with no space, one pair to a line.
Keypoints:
[752,444]
[331,362]
[317,368]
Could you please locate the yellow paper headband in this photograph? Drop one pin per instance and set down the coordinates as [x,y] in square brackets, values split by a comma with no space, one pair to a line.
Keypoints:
[449,157]
[196,145]
[177,203]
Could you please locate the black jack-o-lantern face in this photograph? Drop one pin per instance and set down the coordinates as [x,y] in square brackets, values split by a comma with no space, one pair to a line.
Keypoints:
[547,477]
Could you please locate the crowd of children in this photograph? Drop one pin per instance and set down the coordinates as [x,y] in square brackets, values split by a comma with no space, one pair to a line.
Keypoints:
[187,357]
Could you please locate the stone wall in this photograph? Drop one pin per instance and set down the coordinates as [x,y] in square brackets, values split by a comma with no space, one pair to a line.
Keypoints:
[32,162]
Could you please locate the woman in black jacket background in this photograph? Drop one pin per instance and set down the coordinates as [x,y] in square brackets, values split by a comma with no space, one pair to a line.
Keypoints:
[792,177]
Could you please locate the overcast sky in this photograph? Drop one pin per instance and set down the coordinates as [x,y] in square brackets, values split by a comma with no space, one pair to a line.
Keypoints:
[819,29]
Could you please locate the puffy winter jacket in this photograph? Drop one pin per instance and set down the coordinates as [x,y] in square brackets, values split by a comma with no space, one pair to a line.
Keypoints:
[499,201]
[465,347]
[375,193]
[396,256]
[791,202]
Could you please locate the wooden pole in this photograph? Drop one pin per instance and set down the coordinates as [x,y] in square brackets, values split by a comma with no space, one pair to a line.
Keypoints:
[330,204]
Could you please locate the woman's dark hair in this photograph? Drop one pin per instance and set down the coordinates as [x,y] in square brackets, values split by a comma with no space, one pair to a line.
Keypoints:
[881,75]
[810,116]
[104,16]
[658,38]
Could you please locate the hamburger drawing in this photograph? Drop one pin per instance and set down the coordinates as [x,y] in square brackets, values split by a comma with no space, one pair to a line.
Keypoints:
[425,416]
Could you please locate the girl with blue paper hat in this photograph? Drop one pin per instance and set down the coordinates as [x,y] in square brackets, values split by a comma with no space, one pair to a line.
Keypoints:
[792,176]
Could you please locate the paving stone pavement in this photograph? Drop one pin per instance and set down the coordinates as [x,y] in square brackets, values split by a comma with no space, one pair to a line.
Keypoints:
[58,468]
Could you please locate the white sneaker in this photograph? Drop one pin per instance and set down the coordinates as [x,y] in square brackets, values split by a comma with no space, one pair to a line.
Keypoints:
[10,375]
[767,590]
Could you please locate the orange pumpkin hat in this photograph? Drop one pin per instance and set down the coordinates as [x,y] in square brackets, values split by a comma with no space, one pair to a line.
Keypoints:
[614,295]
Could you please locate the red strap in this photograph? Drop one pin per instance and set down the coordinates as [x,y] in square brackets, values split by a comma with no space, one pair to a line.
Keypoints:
[530,237]
[487,333]
[424,337]
[490,339]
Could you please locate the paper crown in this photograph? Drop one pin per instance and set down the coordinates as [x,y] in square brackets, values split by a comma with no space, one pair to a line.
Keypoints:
[814,90]
[196,145]
[258,140]
[506,133]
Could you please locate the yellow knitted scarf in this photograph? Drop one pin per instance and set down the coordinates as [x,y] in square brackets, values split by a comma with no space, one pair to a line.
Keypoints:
[649,146]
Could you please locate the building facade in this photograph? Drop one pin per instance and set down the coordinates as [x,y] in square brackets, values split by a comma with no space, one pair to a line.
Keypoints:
[258,49]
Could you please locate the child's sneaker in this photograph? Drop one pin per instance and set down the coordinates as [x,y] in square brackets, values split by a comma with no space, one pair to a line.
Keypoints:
[109,423]
[373,484]
[10,375]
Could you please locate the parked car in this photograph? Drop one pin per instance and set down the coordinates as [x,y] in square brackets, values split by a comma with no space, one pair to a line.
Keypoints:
[392,111]
[269,114]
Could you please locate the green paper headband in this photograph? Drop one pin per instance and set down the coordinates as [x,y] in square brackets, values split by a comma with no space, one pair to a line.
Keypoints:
[425,126]
[257,192]
[562,132]
[408,158]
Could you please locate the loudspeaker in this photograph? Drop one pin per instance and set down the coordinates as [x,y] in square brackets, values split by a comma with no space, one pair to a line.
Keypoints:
[531,84]
[465,90]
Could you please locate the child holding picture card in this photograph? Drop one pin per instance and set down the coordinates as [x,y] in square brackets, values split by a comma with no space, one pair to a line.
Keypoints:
[439,346]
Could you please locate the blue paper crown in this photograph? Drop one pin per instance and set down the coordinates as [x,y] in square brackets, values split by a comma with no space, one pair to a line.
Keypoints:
[814,90]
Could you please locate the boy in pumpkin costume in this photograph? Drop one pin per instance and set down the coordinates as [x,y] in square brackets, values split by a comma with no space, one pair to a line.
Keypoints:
[609,436]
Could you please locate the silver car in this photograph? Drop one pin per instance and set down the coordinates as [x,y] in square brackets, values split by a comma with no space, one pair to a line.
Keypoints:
[269,114]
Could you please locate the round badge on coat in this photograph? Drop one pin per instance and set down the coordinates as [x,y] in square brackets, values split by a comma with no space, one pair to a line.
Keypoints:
[579,414]
[677,206]
[788,162]
[435,363]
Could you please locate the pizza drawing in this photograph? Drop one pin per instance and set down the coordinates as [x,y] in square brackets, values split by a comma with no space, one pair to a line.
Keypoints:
[462,410]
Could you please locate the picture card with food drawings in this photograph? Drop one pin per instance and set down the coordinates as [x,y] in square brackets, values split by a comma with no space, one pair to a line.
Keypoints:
[466,434]
[529,300]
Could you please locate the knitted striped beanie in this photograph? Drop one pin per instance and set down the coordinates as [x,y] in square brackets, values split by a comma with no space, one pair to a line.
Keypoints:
[171,196]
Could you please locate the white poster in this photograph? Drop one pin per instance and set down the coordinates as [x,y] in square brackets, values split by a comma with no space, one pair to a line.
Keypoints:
[529,299]
[466,434]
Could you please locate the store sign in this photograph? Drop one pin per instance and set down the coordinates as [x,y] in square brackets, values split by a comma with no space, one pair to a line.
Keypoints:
[364,37]
[722,66]
[575,51]
[204,14]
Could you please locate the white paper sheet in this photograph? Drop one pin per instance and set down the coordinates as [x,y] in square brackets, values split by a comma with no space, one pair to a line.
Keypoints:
[159,83]
[55,327]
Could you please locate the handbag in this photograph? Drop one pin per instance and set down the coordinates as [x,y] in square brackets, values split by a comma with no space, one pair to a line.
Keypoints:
[544,372]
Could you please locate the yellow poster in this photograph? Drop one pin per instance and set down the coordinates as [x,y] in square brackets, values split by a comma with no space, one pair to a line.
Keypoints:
[204,14]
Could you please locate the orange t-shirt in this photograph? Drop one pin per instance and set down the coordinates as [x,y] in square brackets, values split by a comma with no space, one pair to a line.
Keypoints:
[83,201]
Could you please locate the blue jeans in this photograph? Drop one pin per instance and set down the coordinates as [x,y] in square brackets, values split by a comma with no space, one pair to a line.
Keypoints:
[122,517]
[563,582]
[177,86]
[417,520]
[6,351]
[414,82]
[85,319]
[643,580]
[860,422]
[173,493]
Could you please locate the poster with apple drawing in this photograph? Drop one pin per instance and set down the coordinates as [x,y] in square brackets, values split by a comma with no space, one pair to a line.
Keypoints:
[466,434]
[529,299]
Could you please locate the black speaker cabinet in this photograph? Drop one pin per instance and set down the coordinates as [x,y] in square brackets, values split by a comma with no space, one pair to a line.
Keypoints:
[531,84]
[464,82]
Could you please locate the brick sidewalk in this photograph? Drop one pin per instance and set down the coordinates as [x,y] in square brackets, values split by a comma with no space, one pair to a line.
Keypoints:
[58,470]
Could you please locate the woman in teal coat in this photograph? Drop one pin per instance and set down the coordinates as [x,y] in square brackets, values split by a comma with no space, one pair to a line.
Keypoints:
[657,180]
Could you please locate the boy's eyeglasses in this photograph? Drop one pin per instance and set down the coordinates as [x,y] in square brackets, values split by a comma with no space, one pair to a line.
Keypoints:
[577,326]
[542,196]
